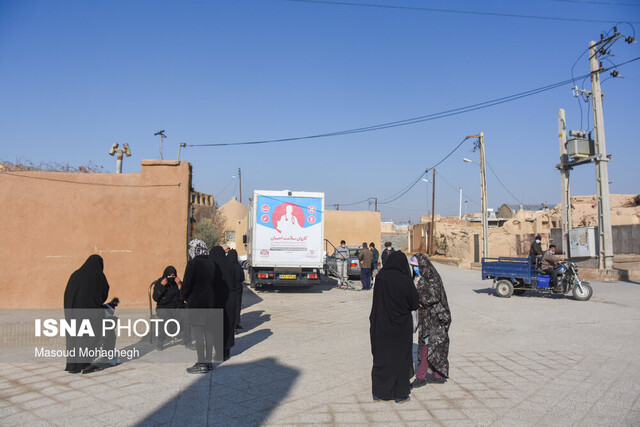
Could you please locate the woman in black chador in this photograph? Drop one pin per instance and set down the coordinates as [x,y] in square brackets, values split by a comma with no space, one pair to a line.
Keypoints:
[394,297]
[86,292]
[434,320]
[198,289]
[168,295]
[228,296]
[239,274]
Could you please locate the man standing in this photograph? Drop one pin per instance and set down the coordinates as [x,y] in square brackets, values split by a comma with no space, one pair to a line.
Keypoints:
[366,258]
[536,247]
[549,261]
[374,262]
[342,261]
[388,250]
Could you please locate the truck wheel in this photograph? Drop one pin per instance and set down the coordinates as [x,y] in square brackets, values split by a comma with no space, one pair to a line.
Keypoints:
[519,291]
[252,278]
[583,295]
[504,289]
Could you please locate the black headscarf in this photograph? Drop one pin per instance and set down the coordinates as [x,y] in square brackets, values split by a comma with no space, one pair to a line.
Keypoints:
[232,256]
[87,288]
[434,316]
[228,294]
[169,295]
[391,331]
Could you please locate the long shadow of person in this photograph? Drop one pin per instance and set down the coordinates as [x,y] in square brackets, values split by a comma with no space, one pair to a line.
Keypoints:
[247,341]
[254,319]
[219,398]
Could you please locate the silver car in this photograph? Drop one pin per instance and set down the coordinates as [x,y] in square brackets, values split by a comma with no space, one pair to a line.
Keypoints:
[353,266]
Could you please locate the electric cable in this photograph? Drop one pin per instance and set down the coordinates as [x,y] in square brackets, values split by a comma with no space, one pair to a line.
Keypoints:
[419,119]
[502,183]
[464,12]
[405,122]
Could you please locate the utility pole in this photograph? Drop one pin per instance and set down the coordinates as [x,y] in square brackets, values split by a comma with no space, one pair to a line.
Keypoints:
[433,212]
[483,195]
[460,205]
[376,203]
[120,151]
[564,181]
[605,256]
[240,183]
[162,136]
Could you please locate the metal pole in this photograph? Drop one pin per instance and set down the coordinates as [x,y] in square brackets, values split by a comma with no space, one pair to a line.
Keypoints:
[182,144]
[483,190]
[605,256]
[565,206]
[460,205]
[376,199]
[119,161]
[432,248]
[240,183]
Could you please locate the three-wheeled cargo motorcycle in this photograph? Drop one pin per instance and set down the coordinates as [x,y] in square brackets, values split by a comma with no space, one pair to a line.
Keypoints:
[518,275]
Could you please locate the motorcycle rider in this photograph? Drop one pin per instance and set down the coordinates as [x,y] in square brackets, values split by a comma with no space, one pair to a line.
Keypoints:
[549,262]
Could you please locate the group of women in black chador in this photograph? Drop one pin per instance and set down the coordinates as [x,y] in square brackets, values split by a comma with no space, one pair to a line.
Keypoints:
[212,280]
[395,297]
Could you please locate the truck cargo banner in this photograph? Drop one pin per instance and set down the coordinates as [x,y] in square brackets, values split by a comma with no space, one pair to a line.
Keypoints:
[288,229]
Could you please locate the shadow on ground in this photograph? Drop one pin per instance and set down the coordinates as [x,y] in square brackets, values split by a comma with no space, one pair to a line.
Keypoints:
[225,396]
[526,294]
[326,284]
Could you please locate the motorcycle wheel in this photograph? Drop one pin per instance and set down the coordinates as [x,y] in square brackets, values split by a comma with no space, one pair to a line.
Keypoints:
[504,288]
[584,295]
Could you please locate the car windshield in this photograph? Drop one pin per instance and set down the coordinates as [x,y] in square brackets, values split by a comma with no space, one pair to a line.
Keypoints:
[353,252]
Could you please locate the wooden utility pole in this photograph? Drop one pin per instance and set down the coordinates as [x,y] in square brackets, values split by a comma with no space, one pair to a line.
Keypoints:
[564,181]
[483,195]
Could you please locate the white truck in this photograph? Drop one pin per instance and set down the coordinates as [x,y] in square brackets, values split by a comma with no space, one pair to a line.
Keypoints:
[285,237]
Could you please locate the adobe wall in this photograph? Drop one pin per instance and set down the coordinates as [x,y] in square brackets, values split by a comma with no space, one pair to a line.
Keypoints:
[52,221]
[355,227]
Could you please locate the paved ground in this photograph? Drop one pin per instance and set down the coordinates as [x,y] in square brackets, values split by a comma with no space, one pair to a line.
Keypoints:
[304,358]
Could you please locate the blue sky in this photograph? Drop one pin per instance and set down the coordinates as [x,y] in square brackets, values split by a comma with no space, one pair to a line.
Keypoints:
[76,76]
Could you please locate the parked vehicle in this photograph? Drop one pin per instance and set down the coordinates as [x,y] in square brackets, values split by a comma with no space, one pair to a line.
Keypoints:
[285,234]
[353,266]
[518,275]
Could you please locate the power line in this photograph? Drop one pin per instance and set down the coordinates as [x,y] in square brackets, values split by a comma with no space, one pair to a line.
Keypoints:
[413,184]
[604,3]
[464,12]
[502,183]
[466,196]
[418,119]
[404,122]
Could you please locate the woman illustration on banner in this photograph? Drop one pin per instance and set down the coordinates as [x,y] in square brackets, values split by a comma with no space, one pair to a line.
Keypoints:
[288,224]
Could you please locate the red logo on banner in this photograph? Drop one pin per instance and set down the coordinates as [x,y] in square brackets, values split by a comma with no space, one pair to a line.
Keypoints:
[311,219]
[311,209]
[265,208]
[265,218]
[288,215]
